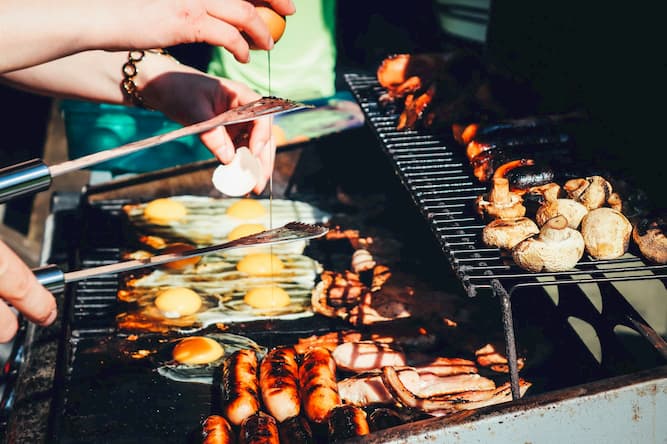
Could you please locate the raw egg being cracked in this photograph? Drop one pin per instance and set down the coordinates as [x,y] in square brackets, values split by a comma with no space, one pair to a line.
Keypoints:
[178,301]
[164,211]
[270,296]
[274,21]
[260,264]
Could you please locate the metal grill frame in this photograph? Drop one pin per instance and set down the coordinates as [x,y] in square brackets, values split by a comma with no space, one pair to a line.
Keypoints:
[436,174]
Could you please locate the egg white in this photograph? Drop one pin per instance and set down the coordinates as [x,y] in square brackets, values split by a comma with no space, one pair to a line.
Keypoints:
[206,220]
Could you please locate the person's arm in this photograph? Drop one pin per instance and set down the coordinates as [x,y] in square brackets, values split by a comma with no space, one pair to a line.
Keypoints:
[181,92]
[56,29]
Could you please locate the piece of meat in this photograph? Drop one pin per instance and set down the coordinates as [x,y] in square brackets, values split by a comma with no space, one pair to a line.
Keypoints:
[239,386]
[319,392]
[279,383]
[366,355]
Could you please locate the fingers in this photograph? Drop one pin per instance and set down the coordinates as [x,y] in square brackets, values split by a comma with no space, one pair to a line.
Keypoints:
[262,145]
[219,143]
[243,16]
[282,7]
[19,288]
[8,323]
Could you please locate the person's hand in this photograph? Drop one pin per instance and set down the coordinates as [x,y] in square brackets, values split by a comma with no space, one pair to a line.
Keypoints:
[52,31]
[187,96]
[170,22]
[20,289]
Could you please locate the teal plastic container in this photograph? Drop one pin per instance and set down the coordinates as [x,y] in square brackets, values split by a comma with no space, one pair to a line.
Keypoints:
[92,127]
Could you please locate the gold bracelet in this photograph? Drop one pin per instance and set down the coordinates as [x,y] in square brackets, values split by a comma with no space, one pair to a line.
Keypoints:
[130,71]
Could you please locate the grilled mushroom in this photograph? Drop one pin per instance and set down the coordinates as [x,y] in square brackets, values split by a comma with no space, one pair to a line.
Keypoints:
[651,238]
[606,233]
[571,209]
[557,248]
[500,203]
[506,233]
[593,191]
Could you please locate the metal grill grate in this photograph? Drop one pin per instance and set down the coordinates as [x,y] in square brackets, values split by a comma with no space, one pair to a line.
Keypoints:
[435,172]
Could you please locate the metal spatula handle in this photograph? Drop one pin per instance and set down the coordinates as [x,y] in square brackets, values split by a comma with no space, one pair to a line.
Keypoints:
[55,279]
[33,176]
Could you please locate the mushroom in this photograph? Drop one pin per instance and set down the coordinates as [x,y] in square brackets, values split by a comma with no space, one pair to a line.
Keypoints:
[650,235]
[556,248]
[571,209]
[606,233]
[506,233]
[593,191]
[500,203]
[548,191]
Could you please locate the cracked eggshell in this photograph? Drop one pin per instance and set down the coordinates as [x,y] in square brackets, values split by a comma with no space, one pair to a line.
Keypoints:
[240,176]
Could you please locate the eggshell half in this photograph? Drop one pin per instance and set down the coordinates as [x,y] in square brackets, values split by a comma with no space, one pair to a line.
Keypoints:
[240,176]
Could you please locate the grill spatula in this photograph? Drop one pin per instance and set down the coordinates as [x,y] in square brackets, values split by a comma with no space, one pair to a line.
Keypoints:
[34,175]
[54,279]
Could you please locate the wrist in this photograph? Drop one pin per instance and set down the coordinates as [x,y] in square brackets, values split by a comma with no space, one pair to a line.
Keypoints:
[139,70]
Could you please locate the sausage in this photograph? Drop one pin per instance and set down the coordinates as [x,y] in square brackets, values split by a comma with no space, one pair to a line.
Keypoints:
[240,391]
[216,430]
[279,383]
[295,430]
[319,391]
[347,421]
[259,428]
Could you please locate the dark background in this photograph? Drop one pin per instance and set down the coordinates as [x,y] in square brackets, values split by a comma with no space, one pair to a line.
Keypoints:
[604,58]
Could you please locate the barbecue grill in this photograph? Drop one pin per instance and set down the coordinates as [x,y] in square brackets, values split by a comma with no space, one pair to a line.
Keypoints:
[96,395]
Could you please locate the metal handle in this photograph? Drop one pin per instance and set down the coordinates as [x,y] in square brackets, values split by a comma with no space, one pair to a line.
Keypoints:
[27,177]
[51,277]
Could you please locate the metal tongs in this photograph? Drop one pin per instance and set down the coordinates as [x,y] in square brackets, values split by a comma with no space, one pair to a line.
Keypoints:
[54,279]
[34,175]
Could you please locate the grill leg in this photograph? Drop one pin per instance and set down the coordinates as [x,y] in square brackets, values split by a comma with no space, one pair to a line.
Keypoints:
[510,339]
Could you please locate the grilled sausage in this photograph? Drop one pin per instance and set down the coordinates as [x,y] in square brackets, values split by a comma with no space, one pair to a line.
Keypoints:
[347,421]
[259,428]
[279,383]
[240,391]
[295,430]
[319,392]
[216,430]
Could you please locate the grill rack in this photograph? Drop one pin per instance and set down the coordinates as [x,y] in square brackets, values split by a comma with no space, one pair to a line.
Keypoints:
[439,180]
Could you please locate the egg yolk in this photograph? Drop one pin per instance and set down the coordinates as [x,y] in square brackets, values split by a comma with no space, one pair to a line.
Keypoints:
[267,297]
[179,247]
[178,301]
[197,350]
[244,230]
[260,264]
[246,209]
[163,211]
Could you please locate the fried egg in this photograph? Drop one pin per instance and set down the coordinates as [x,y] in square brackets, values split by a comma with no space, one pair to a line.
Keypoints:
[246,209]
[197,350]
[175,302]
[222,288]
[179,247]
[209,220]
[164,211]
[260,264]
[196,358]
[268,296]
[244,230]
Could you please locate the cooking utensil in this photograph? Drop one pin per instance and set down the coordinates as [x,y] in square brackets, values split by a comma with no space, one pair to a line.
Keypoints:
[54,279]
[34,175]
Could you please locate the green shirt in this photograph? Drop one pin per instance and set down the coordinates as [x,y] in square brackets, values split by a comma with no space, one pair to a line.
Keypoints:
[302,62]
